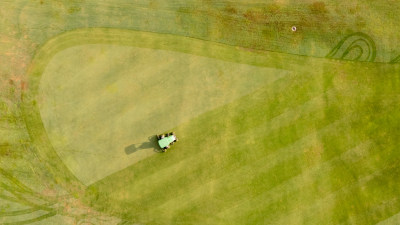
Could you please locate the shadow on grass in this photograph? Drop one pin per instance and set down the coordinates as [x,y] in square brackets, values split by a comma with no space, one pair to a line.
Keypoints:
[151,143]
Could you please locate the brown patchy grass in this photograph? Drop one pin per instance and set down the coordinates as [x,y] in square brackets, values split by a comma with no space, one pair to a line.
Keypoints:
[255,15]
[230,9]
[318,8]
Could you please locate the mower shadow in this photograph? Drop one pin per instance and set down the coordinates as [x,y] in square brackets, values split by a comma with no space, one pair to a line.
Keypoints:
[151,143]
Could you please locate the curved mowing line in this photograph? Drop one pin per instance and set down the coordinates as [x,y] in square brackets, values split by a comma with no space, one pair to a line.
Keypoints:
[361,37]
[16,186]
[13,180]
[29,202]
[19,212]
[45,216]
[351,49]
[30,109]
[354,45]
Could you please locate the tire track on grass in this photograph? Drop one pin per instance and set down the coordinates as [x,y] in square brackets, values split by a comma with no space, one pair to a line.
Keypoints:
[357,41]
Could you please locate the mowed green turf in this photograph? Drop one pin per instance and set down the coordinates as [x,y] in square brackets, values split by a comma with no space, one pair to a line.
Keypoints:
[99,99]
[317,146]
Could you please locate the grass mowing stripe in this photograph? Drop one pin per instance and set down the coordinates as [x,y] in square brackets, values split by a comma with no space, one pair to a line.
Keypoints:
[246,101]
[245,177]
[385,206]
[169,42]
[292,185]
[349,199]
[282,210]
[13,185]
[374,161]
[247,120]
[31,197]
[136,188]
[191,163]
[309,108]
[28,221]
[119,130]
[175,190]
[121,37]
[19,212]
[346,133]
[326,203]
[391,220]
[152,196]
[299,199]
[294,195]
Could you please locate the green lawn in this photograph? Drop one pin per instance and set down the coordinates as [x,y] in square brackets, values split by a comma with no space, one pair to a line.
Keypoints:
[265,138]
[275,126]
[116,96]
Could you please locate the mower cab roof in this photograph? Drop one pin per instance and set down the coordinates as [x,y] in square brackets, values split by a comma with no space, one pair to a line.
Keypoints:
[166,141]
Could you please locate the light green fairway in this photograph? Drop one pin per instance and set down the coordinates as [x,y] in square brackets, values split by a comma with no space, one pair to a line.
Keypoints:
[98,99]
[304,141]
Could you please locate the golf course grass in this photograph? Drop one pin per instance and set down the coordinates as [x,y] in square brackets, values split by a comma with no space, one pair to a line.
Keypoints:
[287,112]
[124,95]
[273,139]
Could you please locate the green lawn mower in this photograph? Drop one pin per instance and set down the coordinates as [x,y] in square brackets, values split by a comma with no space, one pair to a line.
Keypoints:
[166,140]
